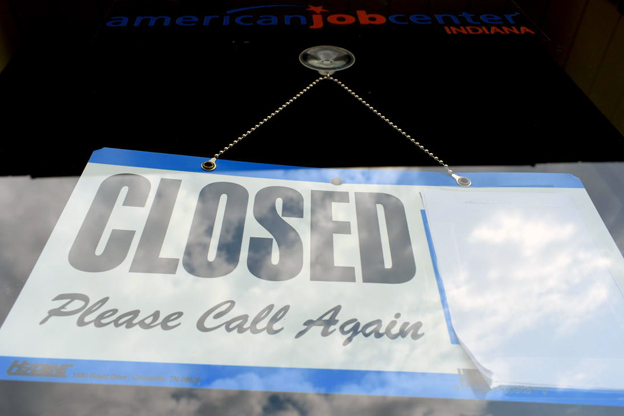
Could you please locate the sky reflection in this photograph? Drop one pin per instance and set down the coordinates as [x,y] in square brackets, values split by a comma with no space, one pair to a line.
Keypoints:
[30,209]
[531,295]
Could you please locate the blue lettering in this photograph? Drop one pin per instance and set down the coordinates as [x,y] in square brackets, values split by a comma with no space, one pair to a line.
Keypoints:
[491,19]
[239,20]
[302,19]
[152,20]
[394,20]
[117,21]
[510,18]
[207,19]
[468,18]
[186,20]
[421,19]
[440,18]
[267,20]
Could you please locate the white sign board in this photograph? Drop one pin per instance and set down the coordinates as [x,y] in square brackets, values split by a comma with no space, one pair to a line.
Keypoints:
[258,277]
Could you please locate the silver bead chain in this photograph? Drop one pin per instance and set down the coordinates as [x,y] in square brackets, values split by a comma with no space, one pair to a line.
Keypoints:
[270,116]
[391,124]
[211,164]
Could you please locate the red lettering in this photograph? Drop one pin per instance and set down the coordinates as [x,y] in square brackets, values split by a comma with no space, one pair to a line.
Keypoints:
[511,29]
[317,19]
[341,19]
[366,19]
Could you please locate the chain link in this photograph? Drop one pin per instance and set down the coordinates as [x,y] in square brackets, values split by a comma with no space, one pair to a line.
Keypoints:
[270,116]
[391,124]
[211,164]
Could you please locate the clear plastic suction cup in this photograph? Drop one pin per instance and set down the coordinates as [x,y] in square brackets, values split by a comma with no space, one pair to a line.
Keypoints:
[326,59]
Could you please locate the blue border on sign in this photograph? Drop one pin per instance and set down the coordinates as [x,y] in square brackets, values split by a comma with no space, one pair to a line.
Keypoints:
[303,380]
[288,380]
[434,260]
[165,161]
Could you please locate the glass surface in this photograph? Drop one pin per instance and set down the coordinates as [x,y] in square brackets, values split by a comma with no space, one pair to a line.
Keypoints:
[31,208]
[476,82]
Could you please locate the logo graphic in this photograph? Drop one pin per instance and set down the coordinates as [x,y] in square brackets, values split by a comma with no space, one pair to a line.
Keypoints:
[318,17]
[24,368]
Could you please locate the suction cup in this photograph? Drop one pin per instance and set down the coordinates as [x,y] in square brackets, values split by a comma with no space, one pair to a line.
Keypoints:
[326,59]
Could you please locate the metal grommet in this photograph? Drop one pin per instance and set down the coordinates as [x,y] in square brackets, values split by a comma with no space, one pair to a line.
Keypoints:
[463,181]
[209,165]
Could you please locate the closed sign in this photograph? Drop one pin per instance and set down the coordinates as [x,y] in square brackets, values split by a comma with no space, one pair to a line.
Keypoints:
[248,277]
